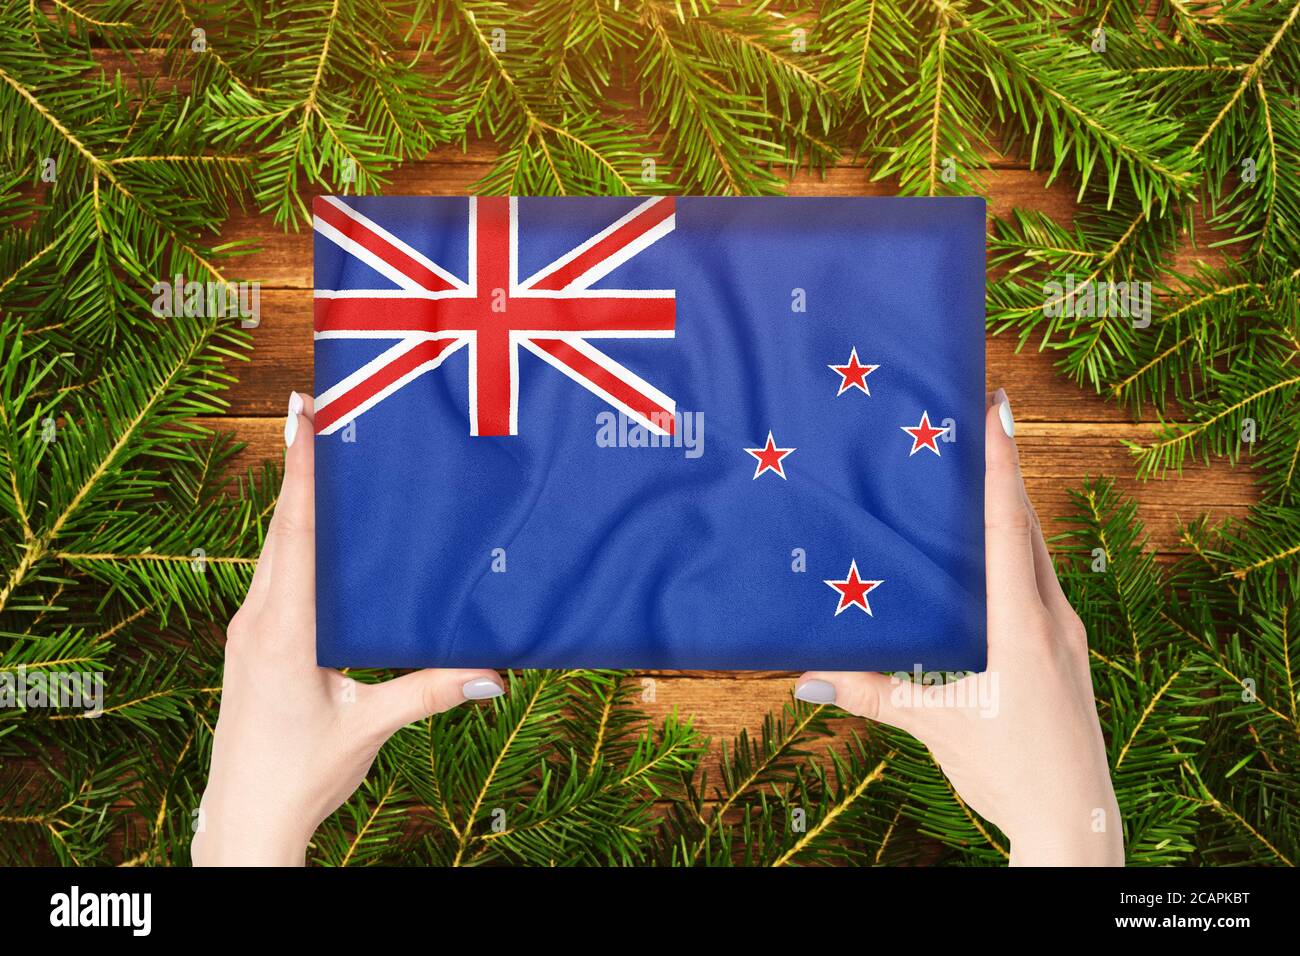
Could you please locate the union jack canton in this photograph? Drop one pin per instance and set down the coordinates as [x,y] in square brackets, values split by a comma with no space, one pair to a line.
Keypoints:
[552,313]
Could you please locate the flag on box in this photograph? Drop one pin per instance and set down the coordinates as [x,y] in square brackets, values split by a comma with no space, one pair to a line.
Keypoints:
[691,433]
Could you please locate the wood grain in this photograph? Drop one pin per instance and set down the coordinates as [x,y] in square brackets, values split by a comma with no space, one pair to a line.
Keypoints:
[284,259]
[1065,433]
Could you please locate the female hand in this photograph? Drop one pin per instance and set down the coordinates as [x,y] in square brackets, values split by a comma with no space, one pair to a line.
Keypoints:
[1035,763]
[294,740]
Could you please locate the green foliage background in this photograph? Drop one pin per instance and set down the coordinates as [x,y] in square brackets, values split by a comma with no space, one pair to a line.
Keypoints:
[154,139]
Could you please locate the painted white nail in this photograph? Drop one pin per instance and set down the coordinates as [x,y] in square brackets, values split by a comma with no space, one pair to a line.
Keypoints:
[816,692]
[1008,423]
[291,419]
[483,688]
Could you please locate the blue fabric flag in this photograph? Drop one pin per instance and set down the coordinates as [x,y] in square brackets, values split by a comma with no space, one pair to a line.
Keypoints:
[688,433]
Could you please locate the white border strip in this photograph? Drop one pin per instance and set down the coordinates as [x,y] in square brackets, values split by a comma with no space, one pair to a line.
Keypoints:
[609,365]
[608,264]
[373,367]
[388,237]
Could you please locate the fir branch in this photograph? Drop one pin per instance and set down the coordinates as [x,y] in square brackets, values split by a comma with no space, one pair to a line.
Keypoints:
[828,817]
[1194,662]
[1248,77]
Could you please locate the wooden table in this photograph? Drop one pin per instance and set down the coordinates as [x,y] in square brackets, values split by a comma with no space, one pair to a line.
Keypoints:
[1065,433]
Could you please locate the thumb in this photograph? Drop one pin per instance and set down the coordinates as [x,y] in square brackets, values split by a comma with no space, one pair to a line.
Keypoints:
[289,558]
[411,697]
[1008,522]
[879,697]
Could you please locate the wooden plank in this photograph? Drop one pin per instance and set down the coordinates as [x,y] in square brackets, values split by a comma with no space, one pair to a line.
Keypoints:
[1055,456]
[137,67]
[721,704]
[284,258]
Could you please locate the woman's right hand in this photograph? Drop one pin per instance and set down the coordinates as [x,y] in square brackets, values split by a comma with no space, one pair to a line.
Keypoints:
[1025,749]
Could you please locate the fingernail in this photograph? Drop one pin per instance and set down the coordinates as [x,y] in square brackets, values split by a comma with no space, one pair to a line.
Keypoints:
[816,692]
[291,420]
[482,688]
[1004,413]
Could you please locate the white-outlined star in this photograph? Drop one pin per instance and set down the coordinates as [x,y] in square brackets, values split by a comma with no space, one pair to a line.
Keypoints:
[853,374]
[923,435]
[769,457]
[853,590]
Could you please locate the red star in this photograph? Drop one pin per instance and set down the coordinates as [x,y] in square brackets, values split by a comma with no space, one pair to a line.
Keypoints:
[854,374]
[923,435]
[769,457]
[854,590]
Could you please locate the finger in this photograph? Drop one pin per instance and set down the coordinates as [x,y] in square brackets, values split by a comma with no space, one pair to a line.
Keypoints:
[291,537]
[1045,579]
[1049,586]
[258,587]
[883,698]
[1011,579]
[402,700]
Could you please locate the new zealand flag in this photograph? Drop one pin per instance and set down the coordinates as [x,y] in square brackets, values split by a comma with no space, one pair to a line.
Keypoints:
[682,433]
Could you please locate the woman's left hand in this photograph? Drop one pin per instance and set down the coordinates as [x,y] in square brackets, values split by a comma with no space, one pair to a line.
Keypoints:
[293,741]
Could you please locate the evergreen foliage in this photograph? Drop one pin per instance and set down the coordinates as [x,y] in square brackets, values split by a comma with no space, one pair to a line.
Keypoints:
[128,133]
